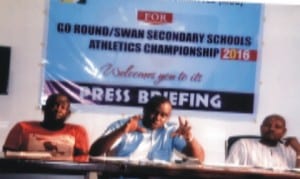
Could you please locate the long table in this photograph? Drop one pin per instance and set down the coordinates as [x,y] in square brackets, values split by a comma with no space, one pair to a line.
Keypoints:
[13,168]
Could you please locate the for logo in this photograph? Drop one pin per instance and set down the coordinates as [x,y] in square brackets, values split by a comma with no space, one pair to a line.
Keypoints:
[154,17]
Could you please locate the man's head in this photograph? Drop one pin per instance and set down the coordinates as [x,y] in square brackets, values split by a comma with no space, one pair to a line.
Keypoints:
[273,129]
[56,111]
[157,112]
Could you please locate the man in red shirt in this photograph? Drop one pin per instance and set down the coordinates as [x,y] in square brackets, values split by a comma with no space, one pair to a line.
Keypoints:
[53,134]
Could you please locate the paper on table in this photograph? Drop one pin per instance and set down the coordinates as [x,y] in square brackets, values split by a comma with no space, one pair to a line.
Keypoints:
[129,160]
[29,155]
[227,165]
[105,158]
[296,170]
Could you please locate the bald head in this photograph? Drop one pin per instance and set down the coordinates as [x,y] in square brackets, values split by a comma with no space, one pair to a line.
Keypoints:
[273,128]
[274,117]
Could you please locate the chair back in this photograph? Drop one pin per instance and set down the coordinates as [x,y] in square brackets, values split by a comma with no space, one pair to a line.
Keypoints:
[232,139]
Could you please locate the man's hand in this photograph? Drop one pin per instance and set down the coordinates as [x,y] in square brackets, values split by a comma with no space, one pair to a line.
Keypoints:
[294,143]
[132,124]
[184,130]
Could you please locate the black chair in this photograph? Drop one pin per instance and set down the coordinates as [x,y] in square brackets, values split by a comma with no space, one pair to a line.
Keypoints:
[232,139]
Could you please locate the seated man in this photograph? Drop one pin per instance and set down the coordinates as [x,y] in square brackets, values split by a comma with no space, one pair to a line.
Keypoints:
[51,135]
[271,151]
[150,137]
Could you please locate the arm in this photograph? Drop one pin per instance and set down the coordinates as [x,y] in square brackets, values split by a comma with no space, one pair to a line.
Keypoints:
[82,142]
[103,144]
[294,143]
[14,139]
[297,161]
[193,147]
[237,153]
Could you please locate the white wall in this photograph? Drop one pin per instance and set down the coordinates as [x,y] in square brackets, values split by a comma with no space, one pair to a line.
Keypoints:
[22,26]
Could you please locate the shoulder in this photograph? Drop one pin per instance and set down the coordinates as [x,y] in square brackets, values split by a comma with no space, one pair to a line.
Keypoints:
[23,124]
[114,126]
[118,123]
[286,148]
[247,142]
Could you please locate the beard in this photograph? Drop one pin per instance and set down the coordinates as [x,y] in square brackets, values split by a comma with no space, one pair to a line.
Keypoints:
[53,121]
[59,122]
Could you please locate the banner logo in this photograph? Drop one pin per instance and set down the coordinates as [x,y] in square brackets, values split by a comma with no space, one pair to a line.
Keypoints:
[155,17]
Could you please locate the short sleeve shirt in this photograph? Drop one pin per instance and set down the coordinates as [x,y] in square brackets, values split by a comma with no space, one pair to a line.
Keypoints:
[31,136]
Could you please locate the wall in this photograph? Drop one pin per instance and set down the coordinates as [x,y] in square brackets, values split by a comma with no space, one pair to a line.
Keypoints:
[23,27]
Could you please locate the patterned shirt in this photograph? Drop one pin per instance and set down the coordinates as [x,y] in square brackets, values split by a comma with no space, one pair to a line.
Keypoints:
[31,136]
